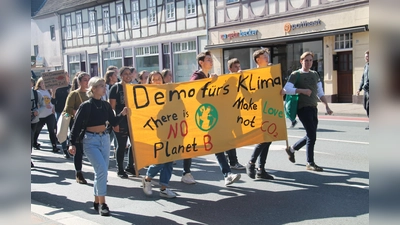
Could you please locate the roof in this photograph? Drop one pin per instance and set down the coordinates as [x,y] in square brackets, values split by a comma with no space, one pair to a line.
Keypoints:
[65,6]
[36,5]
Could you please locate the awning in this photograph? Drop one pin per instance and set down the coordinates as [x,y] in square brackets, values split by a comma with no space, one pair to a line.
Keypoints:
[288,38]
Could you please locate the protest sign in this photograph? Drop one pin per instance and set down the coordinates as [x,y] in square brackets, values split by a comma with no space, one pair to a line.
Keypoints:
[54,79]
[184,120]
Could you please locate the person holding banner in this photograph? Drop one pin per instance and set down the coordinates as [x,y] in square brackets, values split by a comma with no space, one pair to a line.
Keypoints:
[75,98]
[261,57]
[121,131]
[167,76]
[309,88]
[165,169]
[205,62]
[143,75]
[90,128]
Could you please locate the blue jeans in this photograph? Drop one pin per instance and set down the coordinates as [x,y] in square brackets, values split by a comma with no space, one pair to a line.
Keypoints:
[63,144]
[223,164]
[309,118]
[165,174]
[261,151]
[97,150]
[232,156]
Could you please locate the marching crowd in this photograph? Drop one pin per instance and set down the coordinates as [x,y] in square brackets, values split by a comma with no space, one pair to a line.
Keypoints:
[97,112]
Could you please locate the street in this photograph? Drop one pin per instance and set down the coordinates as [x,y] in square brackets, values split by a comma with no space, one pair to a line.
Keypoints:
[338,195]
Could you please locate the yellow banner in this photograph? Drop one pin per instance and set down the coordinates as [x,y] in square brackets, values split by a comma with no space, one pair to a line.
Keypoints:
[184,120]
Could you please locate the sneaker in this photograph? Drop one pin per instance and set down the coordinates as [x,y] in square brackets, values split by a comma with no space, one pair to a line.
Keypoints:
[250,170]
[147,187]
[96,206]
[188,179]
[80,179]
[290,154]
[293,124]
[231,178]
[104,210]
[36,146]
[167,193]
[238,166]
[122,175]
[313,167]
[130,171]
[262,174]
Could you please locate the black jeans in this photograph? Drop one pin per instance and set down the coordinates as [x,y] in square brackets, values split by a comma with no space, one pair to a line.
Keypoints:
[122,138]
[33,130]
[232,156]
[366,102]
[309,118]
[78,157]
[50,121]
[262,151]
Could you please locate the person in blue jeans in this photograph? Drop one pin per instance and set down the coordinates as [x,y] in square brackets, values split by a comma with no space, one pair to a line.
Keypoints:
[309,88]
[92,118]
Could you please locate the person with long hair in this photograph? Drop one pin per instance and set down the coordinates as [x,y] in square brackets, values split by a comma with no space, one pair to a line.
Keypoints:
[75,98]
[165,169]
[46,115]
[90,128]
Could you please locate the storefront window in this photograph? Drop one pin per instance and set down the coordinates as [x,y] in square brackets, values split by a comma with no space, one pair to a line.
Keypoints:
[112,58]
[73,65]
[185,62]
[244,55]
[147,58]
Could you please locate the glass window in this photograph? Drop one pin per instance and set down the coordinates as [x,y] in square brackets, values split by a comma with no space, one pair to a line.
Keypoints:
[112,58]
[185,62]
[79,25]
[231,1]
[244,55]
[170,8]
[135,14]
[344,41]
[166,56]
[52,32]
[191,7]
[147,58]
[106,20]
[92,22]
[152,11]
[74,65]
[68,33]
[120,16]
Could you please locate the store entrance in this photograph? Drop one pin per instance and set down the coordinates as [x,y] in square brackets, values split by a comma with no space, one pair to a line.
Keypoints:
[345,77]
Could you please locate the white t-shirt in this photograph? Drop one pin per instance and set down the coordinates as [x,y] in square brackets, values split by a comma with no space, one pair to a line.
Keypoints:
[46,108]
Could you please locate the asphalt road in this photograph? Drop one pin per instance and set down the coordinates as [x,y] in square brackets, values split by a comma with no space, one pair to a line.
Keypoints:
[339,195]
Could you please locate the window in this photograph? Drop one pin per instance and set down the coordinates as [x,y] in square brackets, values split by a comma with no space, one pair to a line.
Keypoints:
[68,34]
[92,22]
[74,64]
[112,58]
[79,25]
[135,14]
[343,41]
[52,32]
[191,7]
[36,50]
[166,56]
[170,8]
[147,58]
[120,16]
[152,11]
[231,1]
[184,60]
[106,20]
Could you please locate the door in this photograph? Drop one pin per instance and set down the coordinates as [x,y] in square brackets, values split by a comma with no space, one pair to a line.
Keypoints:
[345,77]
[93,70]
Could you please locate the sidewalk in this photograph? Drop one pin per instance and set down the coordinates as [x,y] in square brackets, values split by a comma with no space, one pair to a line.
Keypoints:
[343,109]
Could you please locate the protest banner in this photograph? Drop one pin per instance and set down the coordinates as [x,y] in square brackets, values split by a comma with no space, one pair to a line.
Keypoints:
[184,120]
[54,79]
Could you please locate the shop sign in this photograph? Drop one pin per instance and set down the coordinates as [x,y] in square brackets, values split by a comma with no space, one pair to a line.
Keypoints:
[289,27]
[241,33]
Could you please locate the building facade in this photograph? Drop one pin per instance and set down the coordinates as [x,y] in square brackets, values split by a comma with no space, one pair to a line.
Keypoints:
[148,35]
[336,31]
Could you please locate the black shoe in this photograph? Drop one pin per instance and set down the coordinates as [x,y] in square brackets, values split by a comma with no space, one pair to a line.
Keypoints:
[36,146]
[250,170]
[122,174]
[314,167]
[290,154]
[96,206]
[130,171]
[293,124]
[80,179]
[104,210]
[367,128]
[67,156]
[55,149]
[261,173]
[32,165]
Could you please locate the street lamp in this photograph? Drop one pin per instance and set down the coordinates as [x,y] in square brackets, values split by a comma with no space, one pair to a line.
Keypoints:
[99,70]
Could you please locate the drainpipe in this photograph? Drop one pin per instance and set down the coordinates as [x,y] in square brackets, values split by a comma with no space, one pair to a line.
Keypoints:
[207,13]
[60,40]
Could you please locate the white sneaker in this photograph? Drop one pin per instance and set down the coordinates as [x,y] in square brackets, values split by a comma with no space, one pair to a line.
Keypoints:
[167,193]
[188,179]
[146,187]
[231,178]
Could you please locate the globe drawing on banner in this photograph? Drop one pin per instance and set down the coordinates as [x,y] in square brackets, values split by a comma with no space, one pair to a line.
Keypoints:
[206,117]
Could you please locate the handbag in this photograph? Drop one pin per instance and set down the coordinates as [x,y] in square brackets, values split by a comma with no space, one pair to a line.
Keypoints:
[62,125]
[291,103]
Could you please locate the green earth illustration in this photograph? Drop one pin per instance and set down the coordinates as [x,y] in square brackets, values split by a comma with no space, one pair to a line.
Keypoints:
[206,117]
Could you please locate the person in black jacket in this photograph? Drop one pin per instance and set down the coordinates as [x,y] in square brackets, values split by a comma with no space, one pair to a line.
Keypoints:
[90,128]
